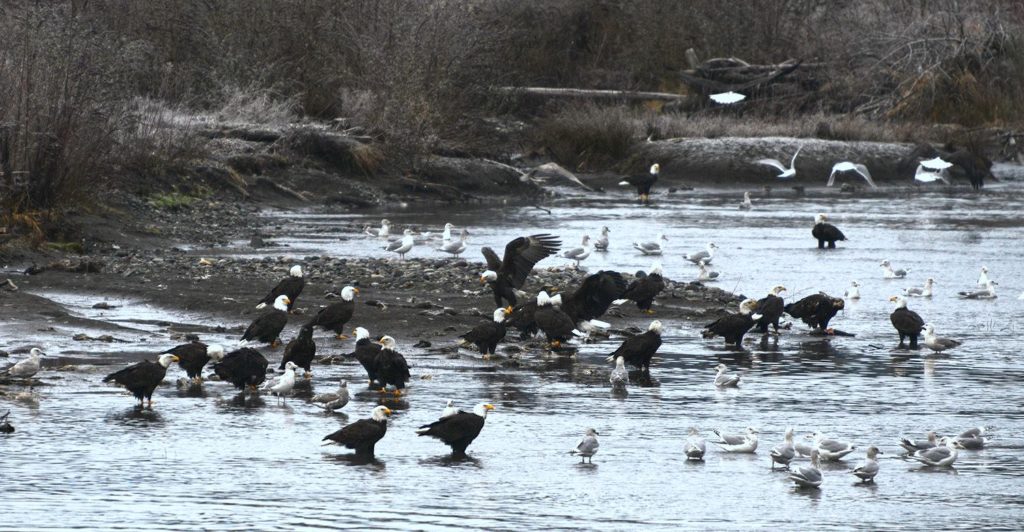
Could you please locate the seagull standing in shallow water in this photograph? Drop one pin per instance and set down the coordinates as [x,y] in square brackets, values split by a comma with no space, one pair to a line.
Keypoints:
[579,253]
[601,244]
[741,443]
[746,204]
[983,278]
[853,292]
[786,172]
[808,476]
[651,247]
[867,469]
[703,256]
[890,273]
[847,166]
[831,450]
[694,448]
[27,368]
[726,381]
[936,343]
[988,293]
[587,447]
[619,376]
[926,291]
[456,247]
[783,454]
[401,246]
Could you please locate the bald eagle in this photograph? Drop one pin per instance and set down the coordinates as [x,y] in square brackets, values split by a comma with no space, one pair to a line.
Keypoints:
[644,289]
[459,430]
[290,286]
[596,293]
[643,183]
[390,366]
[732,327]
[333,317]
[770,307]
[826,232]
[267,328]
[638,350]
[523,317]
[363,435]
[193,357]
[301,350]
[487,335]
[816,310]
[142,379]
[366,352]
[243,367]
[557,326]
[509,273]
[907,322]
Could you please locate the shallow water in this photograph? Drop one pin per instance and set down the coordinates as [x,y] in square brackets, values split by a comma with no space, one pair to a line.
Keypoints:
[84,458]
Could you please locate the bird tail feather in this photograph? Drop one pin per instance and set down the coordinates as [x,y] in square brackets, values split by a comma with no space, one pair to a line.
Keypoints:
[624,183]
[620,301]
[261,306]
[600,324]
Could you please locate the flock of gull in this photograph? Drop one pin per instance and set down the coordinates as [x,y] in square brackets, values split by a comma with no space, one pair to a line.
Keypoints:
[562,316]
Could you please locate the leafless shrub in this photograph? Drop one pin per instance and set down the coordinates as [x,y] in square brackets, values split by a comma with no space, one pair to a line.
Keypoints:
[588,135]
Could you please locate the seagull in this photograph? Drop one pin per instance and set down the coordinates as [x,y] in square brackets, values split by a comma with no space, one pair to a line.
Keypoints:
[746,204]
[920,292]
[831,450]
[983,278]
[847,166]
[705,256]
[939,456]
[728,98]
[742,443]
[867,469]
[580,253]
[786,172]
[936,343]
[988,293]
[455,247]
[385,229]
[694,448]
[446,235]
[449,409]
[784,454]
[853,292]
[972,439]
[284,384]
[587,447]
[936,164]
[726,381]
[542,173]
[925,175]
[401,246]
[331,401]
[651,248]
[803,449]
[26,369]
[808,476]
[601,244]
[916,445]
[705,274]
[619,376]
[890,273]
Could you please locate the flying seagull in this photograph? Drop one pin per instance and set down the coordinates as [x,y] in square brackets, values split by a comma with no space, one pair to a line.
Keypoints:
[847,166]
[786,172]
[727,98]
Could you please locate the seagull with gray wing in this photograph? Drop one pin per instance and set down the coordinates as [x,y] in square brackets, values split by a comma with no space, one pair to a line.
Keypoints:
[787,173]
[847,166]
[587,447]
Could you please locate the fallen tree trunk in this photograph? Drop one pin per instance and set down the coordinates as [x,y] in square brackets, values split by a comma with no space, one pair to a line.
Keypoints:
[593,93]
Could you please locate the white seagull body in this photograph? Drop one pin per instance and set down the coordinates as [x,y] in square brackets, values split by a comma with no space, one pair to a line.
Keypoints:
[847,166]
[401,247]
[651,248]
[694,448]
[705,273]
[601,244]
[619,376]
[925,291]
[988,293]
[940,456]
[983,278]
[831,450]
[740,443]
[587,447]
[925,175]
[853,292]
[728,98]
[786,172]
[936,343]
[703,256]
[285,383]
[890,273]
[449,410]
[783,454]
[726,381]
[27,368]
[808,476]
[579,253]
[746,204]
[456,247]
[867,469]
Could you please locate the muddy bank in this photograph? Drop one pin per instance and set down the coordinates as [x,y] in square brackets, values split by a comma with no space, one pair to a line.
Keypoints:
[423,303]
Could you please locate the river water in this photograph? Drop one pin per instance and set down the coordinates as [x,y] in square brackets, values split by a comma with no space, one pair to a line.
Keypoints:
[84,458]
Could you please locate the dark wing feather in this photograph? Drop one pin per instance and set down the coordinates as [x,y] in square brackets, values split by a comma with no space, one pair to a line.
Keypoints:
[493,262]
[523,253]
[592,299]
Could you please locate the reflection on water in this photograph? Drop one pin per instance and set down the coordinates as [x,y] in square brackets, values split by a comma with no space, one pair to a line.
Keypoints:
[211,457]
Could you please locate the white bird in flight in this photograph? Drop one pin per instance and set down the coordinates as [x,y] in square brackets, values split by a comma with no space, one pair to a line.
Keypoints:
[786,172]
[727,98]
[847,166]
